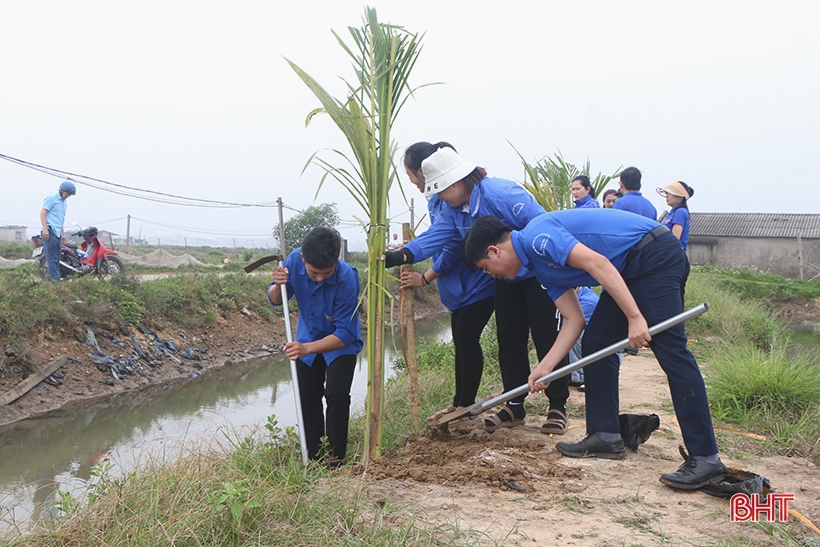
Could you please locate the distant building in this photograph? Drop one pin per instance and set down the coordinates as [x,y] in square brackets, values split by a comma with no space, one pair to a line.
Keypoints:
[786,244]
[15,234]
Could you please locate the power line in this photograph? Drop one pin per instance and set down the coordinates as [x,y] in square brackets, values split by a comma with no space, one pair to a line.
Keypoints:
[124,190]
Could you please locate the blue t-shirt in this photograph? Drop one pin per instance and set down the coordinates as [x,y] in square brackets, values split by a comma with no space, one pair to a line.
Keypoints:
[679,215]
[501,198]
[587,203]
[329,307]
[55,217]
[544,245]
[634,202]
[588,300]
[457,285]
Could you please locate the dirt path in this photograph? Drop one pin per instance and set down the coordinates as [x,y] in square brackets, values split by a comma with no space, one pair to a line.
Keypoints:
[514,487]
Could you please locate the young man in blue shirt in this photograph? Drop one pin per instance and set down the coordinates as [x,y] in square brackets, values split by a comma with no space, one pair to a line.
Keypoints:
[632,199]
[52,218]
[328,337]
[639,265]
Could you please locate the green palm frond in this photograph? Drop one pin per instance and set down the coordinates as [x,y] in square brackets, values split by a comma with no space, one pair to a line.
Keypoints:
[549,180]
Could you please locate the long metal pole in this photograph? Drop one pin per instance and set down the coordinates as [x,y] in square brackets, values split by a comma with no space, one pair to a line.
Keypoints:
[288,333]
[478,408]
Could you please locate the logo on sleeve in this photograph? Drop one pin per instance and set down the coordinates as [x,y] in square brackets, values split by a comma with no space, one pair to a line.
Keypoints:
[517,208]
[539,244]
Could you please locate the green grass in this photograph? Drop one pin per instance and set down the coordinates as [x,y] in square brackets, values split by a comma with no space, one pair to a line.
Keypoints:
[751,283]
[29,303]
[258,493]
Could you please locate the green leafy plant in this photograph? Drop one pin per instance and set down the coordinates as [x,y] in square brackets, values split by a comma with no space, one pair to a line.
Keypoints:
[549,180]
[383,56]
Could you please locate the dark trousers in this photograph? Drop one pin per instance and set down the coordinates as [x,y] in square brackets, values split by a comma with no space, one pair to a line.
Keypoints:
[467,324]
[521,309]
[684,278]
[331,382]
[654,279]
[52,249]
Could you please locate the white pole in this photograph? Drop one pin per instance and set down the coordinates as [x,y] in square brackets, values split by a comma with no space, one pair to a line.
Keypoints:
[294,377]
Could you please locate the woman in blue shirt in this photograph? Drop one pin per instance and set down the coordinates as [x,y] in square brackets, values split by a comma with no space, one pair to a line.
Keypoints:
[583,193]
[469,295]
[522,306]
[677,195]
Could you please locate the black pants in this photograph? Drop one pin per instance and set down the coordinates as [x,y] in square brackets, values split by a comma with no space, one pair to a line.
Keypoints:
[654,279]
[333,383]
[467,324]
[684,278]
[521,309]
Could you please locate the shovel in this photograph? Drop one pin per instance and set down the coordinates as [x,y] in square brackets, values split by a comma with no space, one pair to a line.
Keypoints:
[478,408]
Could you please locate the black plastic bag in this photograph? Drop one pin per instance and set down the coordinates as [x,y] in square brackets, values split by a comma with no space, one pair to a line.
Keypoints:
[636,428]
[738,481]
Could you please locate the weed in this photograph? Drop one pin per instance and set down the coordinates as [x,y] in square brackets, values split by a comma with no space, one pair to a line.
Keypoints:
[577,504]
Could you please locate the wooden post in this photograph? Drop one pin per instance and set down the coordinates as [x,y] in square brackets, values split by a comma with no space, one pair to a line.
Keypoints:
[409,326]
[29,383]
[800,254]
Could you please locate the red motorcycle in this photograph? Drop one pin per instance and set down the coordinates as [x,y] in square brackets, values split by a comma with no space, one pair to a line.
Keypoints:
[91,258]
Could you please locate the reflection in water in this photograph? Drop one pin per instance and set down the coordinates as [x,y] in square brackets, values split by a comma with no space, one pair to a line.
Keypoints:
[42,456]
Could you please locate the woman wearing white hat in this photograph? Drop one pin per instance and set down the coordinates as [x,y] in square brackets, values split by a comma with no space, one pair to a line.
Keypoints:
[677,220]
[522,306]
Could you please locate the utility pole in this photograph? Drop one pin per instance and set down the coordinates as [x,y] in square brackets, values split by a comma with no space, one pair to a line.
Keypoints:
[412,217]
[128,232]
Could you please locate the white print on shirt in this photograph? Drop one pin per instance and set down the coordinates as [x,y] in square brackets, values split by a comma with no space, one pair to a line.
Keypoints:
[517,208]
[539,244]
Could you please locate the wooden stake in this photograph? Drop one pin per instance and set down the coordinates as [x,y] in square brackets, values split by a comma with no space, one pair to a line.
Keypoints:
[409,323]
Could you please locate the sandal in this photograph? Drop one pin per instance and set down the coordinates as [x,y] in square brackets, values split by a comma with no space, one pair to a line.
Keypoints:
[556,424]
[498,421]
[440,413]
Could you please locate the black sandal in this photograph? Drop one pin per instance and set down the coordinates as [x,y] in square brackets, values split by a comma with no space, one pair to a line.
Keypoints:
[504,418]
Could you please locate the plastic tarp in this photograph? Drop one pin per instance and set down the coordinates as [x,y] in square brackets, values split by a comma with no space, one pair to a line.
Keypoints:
[161,259]
[6,264]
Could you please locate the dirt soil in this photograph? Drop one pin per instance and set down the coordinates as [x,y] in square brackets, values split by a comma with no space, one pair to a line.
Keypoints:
[514,487]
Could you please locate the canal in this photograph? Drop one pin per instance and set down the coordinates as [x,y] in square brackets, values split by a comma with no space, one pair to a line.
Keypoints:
[41,456]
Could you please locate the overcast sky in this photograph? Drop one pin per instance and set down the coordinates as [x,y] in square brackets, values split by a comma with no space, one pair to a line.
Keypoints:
[196,99]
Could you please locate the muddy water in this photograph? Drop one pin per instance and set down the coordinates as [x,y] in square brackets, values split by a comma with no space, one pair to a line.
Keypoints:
[40,457]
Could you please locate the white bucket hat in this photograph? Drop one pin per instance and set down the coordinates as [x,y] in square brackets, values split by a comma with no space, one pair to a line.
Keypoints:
[442,169]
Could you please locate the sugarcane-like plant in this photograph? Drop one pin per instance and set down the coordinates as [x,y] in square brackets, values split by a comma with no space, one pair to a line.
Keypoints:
[383,56]
[549,180]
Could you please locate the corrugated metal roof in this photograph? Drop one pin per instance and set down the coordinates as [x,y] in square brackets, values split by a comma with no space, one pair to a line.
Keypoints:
[787,225]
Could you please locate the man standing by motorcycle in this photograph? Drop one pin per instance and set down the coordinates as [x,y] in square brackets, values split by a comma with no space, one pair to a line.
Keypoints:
[52,218]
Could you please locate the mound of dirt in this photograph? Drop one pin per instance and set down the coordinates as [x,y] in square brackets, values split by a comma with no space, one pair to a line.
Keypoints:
[512,487]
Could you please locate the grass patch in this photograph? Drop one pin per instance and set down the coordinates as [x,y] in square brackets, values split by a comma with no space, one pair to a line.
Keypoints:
[769,393]
[257,492]
[28,302]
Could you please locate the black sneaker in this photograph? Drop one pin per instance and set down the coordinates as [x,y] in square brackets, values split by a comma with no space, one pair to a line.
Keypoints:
[693,474]
[593,447]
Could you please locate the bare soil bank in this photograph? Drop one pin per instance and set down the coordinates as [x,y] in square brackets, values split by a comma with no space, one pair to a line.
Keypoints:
[241,337]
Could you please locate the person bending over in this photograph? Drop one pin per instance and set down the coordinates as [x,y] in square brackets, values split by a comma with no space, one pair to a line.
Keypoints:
[639,264]
[328,337]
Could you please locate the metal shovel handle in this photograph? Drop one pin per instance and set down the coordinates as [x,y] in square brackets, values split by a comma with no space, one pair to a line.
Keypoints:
[478,408]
